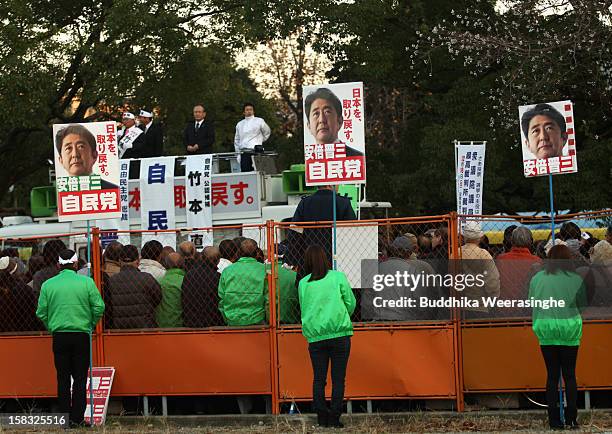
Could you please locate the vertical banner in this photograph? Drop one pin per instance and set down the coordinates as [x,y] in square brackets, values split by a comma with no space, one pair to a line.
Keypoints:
[102,379]
[334,134]
[198,182]
[157,199]
[110,227]
[87,171]
[548,138]
[470,160]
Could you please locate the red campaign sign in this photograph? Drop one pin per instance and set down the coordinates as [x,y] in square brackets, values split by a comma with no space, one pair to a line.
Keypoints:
[545,166]
[101,390]
[330,171]
[88,202]
[220,192]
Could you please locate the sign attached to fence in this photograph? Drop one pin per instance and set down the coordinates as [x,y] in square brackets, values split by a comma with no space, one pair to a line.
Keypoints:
[470,158]
[87,171]
[102,380]
[198,196]
[334,134]
[548,139]
[157,196]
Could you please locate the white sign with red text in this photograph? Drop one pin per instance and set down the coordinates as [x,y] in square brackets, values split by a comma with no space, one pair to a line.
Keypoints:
[87,169]
[334,134]
[548,138]
[102,380]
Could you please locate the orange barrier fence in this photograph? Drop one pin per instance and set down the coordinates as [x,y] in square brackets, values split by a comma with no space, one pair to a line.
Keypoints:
[442,356]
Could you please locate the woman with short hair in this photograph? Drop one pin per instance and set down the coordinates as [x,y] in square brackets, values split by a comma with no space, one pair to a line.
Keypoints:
[327,303]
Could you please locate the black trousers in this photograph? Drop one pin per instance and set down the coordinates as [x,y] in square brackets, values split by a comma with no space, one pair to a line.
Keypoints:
[246,162]
[337,350]
[71,355]
[560,359]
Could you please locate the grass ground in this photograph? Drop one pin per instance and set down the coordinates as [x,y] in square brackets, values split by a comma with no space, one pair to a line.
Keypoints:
[517,421]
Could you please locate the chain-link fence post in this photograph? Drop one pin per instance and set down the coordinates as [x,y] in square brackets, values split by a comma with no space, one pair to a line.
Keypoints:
[96,267]
[453,232]
[272,306]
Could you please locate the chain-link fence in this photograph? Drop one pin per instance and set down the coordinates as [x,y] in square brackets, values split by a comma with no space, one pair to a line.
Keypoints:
[25,264]
[185,279]
[365,251]
[509,251]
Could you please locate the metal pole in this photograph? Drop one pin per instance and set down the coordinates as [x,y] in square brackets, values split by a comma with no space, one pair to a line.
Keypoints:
[334,228]
[91,401]
[552,237]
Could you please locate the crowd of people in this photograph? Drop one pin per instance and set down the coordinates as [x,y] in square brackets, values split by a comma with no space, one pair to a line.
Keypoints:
[227,285]
[158,287]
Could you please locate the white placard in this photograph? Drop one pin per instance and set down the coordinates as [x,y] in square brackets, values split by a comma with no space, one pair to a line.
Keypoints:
[198,192]
[470,160]
[157,199]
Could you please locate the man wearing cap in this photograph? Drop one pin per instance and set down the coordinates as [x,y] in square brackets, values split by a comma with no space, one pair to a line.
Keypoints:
[477,261]
[251,132]
[199,135]
[70,306]
[153,136]
[544,130]
[132,139]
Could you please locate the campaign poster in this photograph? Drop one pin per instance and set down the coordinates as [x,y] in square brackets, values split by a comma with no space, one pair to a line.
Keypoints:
[548,138]
[87,171]
[334,134]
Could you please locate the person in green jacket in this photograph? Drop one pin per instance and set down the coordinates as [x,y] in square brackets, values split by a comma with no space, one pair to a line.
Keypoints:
[170,310]
[241,288]
[559,328]
[327,303]
[70,306]
[288,307]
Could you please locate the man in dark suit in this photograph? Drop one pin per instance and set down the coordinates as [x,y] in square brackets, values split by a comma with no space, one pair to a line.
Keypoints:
[199,135]
[316,208]
[153,136]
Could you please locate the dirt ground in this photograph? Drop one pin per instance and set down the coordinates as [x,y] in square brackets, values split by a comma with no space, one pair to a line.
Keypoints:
[595,421]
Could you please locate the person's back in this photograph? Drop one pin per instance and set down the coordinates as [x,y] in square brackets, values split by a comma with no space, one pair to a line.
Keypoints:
[200,299]
[558,325]
[516,268]
[17,302]
[326,305]
[68,299]
[317,207]
[169,311]
[287,296]
[241,289]
[133,295]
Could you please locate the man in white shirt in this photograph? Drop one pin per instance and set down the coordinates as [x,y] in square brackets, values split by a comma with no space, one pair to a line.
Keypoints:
[131,137]
[251,132]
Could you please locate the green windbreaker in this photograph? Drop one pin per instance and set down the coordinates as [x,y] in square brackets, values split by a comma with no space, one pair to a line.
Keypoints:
[241,293]
[327,306]
[69,302]
[170,310]
[558,325]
